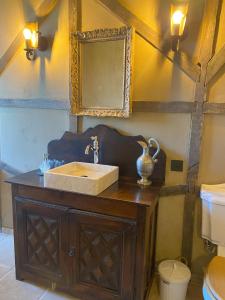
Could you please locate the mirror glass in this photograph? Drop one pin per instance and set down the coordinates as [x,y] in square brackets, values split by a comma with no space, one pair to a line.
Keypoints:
[102,74]
[101,82]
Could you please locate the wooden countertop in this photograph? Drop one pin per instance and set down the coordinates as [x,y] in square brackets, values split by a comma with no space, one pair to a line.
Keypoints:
[119,191]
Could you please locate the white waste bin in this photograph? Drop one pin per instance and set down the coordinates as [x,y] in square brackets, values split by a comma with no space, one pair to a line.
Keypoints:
[174,279]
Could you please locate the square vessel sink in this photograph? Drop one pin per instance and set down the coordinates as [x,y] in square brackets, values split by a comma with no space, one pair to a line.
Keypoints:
[79,177]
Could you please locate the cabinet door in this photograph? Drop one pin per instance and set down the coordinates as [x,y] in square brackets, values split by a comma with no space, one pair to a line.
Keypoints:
[41,239]
[102,248]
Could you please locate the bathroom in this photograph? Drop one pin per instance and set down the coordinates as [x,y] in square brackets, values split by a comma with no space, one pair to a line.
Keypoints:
[168,91]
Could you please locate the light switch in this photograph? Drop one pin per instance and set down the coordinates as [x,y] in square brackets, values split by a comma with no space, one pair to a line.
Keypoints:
[177,165]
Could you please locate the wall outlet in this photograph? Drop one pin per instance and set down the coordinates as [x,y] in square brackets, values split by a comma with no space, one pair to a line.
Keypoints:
[176,165]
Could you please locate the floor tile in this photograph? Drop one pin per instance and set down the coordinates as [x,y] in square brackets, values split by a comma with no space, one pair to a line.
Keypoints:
[154,293]
[7,251]
[12,289]
[194,291]
[7,231]
[3,236]
[4,270]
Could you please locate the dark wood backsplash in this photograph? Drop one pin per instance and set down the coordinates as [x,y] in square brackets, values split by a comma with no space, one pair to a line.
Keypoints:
[114,149]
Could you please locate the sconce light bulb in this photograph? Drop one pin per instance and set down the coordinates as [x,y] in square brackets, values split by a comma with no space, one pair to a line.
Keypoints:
[177,17]
[27,34]
[34,39]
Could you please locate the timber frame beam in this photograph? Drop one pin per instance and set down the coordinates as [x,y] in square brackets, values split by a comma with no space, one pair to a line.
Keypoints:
[178,107]
[214,108]
[215,65]
[147,33]
[164,107]
[210,24]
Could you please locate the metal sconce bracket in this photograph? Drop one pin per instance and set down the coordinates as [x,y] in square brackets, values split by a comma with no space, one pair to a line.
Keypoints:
[177,26]
[34,41]
[175,43]
[30,54]
[42,42]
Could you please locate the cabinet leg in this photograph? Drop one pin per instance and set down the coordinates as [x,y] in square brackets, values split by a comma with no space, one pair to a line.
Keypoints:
[53,286]
[18,277]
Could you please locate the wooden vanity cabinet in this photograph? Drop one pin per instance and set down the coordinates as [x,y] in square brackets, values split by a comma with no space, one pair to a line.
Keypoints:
[41,239]
[94,247]
[103,263]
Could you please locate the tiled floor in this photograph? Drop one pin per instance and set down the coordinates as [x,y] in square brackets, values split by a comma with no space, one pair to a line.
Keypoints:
[11,289]
[194,291]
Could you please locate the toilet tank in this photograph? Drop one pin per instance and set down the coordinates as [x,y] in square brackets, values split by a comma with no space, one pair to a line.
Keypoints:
[213,213]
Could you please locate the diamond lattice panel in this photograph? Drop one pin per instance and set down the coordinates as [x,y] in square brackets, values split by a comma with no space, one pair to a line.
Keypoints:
[42,241]
[100,257]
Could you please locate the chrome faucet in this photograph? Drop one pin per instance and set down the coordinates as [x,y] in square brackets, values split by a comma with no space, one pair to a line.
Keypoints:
[93,148]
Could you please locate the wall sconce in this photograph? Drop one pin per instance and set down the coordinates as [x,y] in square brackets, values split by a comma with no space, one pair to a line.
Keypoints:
[177,23]
[34,40]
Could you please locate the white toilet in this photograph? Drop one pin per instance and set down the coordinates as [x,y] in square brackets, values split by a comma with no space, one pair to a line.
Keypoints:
[213,230]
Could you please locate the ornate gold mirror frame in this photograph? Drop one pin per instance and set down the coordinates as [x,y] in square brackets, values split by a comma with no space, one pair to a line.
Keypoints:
[78,40]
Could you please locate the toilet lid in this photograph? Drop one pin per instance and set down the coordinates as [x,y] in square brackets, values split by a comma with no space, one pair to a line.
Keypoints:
[216,276]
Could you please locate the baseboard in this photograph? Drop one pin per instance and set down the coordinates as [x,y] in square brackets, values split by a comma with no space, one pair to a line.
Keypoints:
[7,230]
[197,279]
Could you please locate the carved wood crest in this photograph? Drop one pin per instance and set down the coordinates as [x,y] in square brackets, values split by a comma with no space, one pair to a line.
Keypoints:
[114,149]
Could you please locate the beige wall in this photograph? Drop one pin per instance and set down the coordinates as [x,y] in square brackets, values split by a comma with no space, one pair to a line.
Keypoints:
[24,135]
[48,75]
[212,163]
[157,79]
[171,130]
[6,201]
[23,131]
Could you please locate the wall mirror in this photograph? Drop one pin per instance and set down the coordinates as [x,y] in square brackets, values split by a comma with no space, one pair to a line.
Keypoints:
[101,72]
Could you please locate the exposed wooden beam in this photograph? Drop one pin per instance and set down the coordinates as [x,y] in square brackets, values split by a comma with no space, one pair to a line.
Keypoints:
[44,8]
[177,107]
[214,108]
[138,106]
[173,190]
[10,52]
[215,64]
[210,21]
[79,15]
[164,107]
[210,24]
[54,104]
[185,63]
[128,18]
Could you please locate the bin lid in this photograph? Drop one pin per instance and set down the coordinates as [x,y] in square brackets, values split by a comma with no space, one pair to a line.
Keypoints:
[213,193]
[174,271]
[215,277]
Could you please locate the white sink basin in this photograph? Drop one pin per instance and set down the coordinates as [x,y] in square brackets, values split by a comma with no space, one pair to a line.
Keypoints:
[81,177]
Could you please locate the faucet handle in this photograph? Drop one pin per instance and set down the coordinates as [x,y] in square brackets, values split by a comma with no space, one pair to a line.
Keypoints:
[87,149]
[94,138]
[95,141]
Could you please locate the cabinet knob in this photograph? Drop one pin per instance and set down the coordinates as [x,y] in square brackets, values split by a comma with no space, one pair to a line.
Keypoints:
[71,252]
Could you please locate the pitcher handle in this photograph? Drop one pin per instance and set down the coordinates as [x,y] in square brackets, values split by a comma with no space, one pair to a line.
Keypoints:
[151,142]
